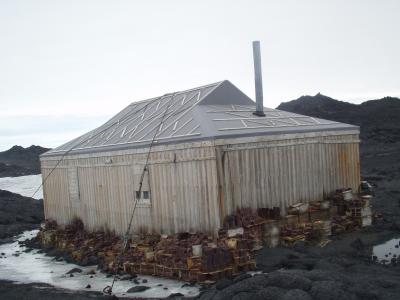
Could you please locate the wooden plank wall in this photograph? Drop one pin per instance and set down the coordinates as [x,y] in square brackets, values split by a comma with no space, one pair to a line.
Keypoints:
[188,189]
[56,195]
[281,173]
[181,182]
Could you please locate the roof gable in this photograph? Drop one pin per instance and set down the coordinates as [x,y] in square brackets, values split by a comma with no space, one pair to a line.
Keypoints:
[226,93]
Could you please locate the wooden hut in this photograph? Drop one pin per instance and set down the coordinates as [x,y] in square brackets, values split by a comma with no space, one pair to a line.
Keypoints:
[210,155]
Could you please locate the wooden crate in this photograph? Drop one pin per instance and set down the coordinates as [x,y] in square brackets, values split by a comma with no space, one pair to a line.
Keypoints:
[319,215]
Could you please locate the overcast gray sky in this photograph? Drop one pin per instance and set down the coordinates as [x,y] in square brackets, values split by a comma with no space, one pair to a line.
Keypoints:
[67,66]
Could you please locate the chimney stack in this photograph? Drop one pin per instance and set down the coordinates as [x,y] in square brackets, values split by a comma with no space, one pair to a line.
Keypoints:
[258,79]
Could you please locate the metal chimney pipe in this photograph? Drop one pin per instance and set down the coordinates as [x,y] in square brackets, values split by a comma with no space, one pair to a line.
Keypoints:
[258,79]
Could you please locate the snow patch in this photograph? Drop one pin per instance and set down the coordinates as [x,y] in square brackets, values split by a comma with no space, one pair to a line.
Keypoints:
[23,185]
[386,251]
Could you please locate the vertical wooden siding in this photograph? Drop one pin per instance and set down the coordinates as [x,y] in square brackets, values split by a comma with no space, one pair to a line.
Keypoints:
[287,173]
[189,191]
[56,195]
[184,194]
[182,184]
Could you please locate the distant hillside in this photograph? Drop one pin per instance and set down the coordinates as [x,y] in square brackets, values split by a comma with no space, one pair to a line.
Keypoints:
[379,119]
[19,161]
[13,171]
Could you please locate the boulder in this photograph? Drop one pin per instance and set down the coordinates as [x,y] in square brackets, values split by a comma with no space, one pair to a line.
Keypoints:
[138,289]
[74,270]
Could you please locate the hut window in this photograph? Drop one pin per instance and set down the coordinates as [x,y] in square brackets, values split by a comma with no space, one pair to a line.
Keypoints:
[143,198]
[143,195]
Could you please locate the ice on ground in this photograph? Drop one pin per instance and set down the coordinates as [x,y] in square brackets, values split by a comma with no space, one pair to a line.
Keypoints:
[386,251]
[23,185]
[18,266]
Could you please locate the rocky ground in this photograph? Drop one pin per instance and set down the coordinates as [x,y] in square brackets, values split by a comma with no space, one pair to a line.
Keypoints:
[17,214]
[343,269]
[11,291]
[14,171]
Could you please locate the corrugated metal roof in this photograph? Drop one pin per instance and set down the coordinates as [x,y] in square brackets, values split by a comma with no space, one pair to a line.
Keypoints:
[213,111]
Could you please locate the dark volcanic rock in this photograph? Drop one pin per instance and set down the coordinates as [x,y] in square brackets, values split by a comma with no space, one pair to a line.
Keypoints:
[297,294]
[329,290]
[138,289]
[18,161]
[18,213]
[271,293]
[175,295]
[288,281]
[241,277]
[379,119]
[74,270]
[274,258]
[368,114]
[13,170]
[12,291]
[245,296]
[223,283]
[357,244]
[249,285]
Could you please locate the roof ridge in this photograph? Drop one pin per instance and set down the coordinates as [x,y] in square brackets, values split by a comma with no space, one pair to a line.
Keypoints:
[217,84]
